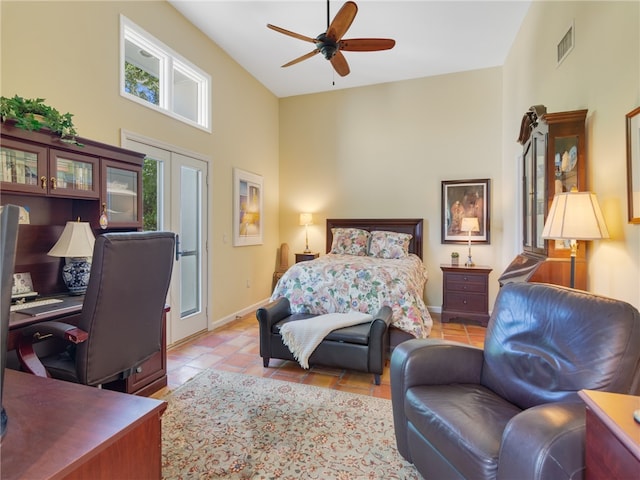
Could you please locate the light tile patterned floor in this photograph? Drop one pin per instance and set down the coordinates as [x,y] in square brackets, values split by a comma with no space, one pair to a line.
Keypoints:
[235,348]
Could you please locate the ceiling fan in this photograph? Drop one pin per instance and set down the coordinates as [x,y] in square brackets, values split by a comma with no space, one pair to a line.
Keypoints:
[331,44]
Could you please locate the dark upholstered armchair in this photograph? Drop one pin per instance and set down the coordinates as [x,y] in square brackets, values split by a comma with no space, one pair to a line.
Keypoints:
[511,410]
[120,326]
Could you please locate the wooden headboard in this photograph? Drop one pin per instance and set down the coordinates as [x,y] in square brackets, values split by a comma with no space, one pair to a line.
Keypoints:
[402,225]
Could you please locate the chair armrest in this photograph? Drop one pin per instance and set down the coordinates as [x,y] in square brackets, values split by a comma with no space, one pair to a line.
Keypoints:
[40,331]
[381,321]
[379,340]
[273,312]
[546,441]
[434,362]
[428,362]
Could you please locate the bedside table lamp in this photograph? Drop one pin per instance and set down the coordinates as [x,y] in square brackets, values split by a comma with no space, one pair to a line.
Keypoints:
[469,224]
[76,244]
[574,216]
[306,219]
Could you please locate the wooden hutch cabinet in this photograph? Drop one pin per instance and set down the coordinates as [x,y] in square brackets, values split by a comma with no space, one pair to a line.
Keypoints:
[55,182]
[554,161]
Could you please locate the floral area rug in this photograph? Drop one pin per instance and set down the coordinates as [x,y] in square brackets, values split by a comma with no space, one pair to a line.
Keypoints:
[234,426]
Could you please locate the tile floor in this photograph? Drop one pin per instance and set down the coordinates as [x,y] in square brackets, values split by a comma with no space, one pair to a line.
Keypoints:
[235,348]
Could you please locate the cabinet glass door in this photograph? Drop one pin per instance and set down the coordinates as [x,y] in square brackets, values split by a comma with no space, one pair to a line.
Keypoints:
[534,194]
[73,175]
[539,196]
[21,167]
[121,197]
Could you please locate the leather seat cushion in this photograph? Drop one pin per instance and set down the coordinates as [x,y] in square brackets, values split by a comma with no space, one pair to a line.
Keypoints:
[454,415]
[357,334]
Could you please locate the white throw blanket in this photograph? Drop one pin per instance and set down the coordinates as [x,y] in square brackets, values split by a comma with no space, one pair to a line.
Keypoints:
[303,336]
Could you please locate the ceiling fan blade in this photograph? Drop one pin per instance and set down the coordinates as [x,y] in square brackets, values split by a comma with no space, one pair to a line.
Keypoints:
[342,21]
[303,57]
[291,34]
[340,64]
[366,44]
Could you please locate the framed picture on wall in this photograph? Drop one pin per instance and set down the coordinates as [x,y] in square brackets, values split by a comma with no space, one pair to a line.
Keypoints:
[465,207]
[633,165]
[247,208]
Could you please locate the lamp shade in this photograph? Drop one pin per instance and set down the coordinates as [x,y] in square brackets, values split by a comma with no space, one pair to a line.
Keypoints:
[76,241]
[306,219]
[470,224]
[575,216]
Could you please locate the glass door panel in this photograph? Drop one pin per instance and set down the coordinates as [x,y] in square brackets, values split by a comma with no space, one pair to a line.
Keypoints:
[21,167]
[122,195]
[539,196]
[73,175]
[527,200]
[190,240]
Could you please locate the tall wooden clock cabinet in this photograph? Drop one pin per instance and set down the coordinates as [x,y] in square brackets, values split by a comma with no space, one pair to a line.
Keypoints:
[553,161]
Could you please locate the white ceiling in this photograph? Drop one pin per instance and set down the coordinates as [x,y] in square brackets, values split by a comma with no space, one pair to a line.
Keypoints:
[432,38]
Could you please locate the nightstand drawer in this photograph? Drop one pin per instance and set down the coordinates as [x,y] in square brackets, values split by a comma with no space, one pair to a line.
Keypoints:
[305,257]
[462,302]
[466,277]
[469,286]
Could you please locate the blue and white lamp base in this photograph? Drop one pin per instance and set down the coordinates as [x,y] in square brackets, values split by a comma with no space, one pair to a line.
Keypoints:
[75,274]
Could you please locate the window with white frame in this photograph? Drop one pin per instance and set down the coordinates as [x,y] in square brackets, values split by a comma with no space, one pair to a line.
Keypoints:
[155,76]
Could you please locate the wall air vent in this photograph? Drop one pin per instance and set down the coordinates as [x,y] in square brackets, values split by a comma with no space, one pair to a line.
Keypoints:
[566,44]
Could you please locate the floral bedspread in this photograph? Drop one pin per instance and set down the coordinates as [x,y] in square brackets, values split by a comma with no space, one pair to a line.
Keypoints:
[342,283]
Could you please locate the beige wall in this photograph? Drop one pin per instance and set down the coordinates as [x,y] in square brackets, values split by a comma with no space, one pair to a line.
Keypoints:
[68,53]
[601,74]
[382,151]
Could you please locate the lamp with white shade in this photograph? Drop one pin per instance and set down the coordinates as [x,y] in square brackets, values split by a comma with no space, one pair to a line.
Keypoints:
[469,224]
[75,244]
[574,216]
[306,219]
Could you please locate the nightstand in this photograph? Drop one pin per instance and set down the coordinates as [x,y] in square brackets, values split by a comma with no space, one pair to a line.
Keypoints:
[303,257]
[465,293]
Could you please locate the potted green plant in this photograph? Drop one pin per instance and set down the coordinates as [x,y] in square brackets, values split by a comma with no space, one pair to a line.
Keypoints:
[34,114]
[455,258]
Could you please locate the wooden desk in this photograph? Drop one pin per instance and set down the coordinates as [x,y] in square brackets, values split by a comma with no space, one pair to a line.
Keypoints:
[62,430]
[613,437]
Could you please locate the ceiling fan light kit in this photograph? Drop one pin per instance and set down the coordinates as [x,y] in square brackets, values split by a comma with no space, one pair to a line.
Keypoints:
[330,43]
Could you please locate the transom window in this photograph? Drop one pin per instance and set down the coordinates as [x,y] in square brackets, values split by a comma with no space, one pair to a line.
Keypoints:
[155,76]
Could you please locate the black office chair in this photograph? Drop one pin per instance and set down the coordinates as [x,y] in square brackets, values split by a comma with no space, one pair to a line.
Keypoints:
[8,241]
[120,326]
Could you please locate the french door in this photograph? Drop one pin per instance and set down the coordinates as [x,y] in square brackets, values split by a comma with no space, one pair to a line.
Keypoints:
[175,199]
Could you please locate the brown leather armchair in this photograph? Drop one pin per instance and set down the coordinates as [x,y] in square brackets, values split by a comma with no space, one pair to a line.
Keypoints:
[511,410]
[120,326]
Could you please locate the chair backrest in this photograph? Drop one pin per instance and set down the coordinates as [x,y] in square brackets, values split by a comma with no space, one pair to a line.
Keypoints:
[124,304]
[8,241]
[544,343]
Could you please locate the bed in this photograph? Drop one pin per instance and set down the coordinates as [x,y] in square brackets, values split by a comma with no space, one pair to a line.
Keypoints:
[364,272]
